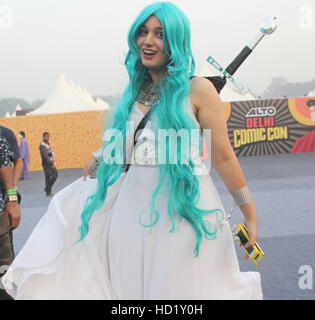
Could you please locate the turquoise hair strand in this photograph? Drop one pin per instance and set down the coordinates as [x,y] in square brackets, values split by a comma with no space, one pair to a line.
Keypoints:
[169,114]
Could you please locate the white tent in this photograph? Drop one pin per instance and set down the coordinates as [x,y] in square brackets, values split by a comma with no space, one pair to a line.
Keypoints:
[7,115]
[101,103]
[227,94]
[311,93]
[66,97]
[18,108]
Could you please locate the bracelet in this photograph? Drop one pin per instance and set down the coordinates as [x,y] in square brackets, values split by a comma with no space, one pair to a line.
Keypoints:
[11,198]
[241,196]
[11,191]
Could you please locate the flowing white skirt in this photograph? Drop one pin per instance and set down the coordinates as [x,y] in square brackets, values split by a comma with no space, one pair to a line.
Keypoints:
[119,258]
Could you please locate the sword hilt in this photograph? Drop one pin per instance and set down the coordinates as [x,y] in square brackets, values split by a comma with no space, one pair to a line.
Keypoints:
[267,26]
[237,62]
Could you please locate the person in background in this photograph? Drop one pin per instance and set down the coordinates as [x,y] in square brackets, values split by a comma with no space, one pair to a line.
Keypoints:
[51,173]
[24,153]
[16,160]
[10,214]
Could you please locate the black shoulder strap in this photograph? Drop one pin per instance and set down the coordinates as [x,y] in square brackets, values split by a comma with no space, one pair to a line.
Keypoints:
[140,126]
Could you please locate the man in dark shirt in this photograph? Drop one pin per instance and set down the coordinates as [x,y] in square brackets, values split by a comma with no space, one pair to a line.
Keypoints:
[10,214]
[12,143]
[48,158]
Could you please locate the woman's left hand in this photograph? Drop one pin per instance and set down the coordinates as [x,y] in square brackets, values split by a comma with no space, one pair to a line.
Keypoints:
[90,164]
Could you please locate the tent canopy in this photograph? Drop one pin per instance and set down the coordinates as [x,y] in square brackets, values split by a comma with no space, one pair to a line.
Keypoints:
[66,97]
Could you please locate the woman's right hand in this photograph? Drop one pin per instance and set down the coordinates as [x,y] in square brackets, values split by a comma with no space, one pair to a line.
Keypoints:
[90,164]
[252,228]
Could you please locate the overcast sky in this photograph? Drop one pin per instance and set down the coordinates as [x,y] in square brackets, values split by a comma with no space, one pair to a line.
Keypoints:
[86,40]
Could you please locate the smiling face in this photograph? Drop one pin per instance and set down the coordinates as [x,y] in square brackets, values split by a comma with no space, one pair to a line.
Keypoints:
[150,44]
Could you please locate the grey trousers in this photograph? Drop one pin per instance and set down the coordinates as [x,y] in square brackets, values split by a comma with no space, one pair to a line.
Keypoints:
[51,175]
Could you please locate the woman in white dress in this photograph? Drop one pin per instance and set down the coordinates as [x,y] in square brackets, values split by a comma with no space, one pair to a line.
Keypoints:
[151,232]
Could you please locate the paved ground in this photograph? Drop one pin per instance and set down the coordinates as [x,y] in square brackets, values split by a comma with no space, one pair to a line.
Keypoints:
[283,188]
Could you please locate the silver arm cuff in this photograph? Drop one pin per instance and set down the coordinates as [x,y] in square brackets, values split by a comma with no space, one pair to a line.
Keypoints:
[241,196]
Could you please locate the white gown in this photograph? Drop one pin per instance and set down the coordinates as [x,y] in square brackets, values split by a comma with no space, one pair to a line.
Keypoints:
[119,258]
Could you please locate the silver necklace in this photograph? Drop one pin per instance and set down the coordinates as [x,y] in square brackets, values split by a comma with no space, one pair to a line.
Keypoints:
[150,93]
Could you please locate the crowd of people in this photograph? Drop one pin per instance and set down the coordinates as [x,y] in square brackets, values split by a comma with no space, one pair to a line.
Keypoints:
[14,164]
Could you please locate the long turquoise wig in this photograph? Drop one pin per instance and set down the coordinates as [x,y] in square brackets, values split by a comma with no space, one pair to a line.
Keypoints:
[169,112]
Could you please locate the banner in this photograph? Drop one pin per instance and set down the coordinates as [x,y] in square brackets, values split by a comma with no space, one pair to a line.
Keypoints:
[273,126]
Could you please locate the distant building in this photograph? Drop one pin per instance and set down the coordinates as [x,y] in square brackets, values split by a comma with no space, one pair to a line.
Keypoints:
[23,112]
